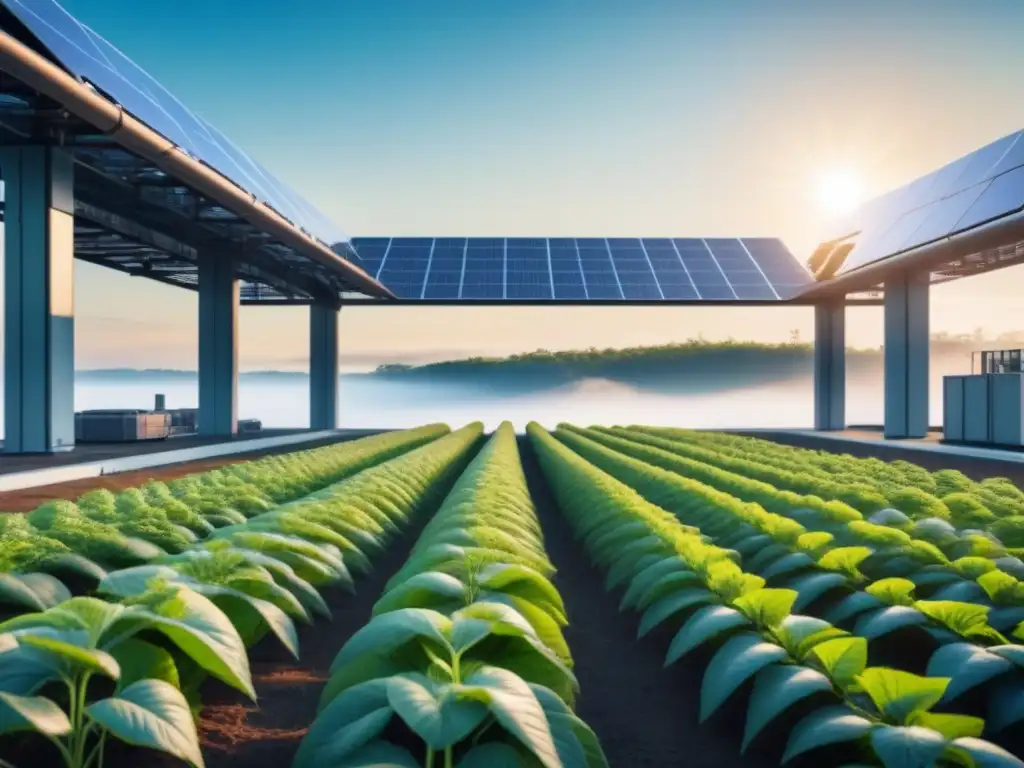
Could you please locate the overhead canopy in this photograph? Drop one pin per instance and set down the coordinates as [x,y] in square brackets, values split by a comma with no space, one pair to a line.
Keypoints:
[155,183]
[958,220]
[564,270]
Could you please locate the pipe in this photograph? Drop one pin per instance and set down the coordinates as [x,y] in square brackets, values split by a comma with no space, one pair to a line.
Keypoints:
[994,234]
[36,71]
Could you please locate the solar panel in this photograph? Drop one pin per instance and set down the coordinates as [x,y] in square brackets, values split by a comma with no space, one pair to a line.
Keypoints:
[89,57]
[979,187]
[565,269]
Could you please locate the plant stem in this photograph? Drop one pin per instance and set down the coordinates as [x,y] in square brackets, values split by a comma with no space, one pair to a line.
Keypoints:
[448,757]
[430,758]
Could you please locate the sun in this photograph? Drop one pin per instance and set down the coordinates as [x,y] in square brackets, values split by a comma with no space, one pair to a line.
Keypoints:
[839,192]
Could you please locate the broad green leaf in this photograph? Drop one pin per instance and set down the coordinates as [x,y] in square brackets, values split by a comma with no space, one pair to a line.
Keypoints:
[845,560]
[649,577]
[379,754]
[140,660]
[434,712]
[153,714]
[794,561]
[853,605]
[985,754]
[910,747]
[967,666]
[234,603]
[832,725]
[777,688]
[898,694]
[671,604]
[736,661]
[950,726]
[93,615]
[390,630]
[893,591]
[799,634]
[19,713]
[424,590]
[517,710]
[563,723]
[708,622]
[965,619]
[766,607]
[201,630]
[351,719]
[881,622]
[843,659]
[74,656]
[127,582]
[505,619]
[522,581]
[37,591]
[547,629]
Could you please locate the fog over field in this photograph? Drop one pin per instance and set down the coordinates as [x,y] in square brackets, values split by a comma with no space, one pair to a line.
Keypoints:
[735,388]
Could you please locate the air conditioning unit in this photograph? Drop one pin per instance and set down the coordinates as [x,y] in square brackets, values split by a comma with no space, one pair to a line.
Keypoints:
[120,426]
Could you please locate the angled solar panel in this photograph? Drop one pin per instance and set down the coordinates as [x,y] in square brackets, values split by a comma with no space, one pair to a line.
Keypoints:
[89,57]
[985,185]
[565,269]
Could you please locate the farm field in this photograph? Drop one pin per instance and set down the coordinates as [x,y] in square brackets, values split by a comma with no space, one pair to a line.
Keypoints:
[627,596]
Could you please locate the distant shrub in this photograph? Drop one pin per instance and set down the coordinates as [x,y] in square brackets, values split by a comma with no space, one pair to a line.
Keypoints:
[863,498]
[1009,530]
[949,481]
[918,504]
[967,511]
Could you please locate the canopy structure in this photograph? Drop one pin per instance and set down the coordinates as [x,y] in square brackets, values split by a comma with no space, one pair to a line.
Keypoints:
[155,185]
[584,270]
[962,219]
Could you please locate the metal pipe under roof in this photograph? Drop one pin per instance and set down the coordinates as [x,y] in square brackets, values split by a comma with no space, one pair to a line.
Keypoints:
[36,71]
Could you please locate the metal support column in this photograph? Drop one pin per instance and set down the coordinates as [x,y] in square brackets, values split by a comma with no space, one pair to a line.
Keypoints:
[830,365]
[323,367]
[39,299]
[218,346]
[906,355]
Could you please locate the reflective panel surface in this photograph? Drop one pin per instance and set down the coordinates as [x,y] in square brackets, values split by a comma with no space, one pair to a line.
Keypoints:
[91,58]
[583,269]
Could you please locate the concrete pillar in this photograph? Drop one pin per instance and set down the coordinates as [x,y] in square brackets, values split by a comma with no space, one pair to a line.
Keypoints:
[39,299]
[323,367]
[218,346]
[830,365]
[906,356]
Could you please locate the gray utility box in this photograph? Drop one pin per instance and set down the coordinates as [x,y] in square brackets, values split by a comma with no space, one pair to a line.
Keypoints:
[120,426]
[984,408]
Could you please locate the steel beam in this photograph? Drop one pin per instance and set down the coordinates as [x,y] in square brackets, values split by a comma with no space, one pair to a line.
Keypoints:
[218,346]
[906,355]
[323,366]
[830,365]
[39,300]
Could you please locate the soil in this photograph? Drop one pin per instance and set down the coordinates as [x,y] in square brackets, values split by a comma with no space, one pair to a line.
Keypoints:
[644,714]
[27,499]
[974,468]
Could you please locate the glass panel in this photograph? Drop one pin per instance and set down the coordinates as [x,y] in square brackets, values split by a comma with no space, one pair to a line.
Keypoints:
[1004,195]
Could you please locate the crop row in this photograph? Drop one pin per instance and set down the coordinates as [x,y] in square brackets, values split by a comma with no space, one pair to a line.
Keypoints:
[163,627]
[812,680]
[806,530]
[464,659]
[105,530]
[869,485]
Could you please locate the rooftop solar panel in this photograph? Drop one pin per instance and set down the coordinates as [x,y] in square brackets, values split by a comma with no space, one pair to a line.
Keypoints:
[979,187]
[91,58]
[634,270]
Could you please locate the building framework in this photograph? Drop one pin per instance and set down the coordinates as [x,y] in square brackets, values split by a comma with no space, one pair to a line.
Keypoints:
[100,162]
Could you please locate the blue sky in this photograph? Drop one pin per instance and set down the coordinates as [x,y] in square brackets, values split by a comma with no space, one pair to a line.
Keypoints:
[563,118]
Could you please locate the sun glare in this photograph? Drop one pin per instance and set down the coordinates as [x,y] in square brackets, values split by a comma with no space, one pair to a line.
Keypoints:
[839,192]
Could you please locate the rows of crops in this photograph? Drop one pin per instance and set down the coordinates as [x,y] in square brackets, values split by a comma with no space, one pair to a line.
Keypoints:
[840,611]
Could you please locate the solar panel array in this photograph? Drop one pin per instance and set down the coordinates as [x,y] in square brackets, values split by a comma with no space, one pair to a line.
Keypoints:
[977,188]
[524,269]
[89,57]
